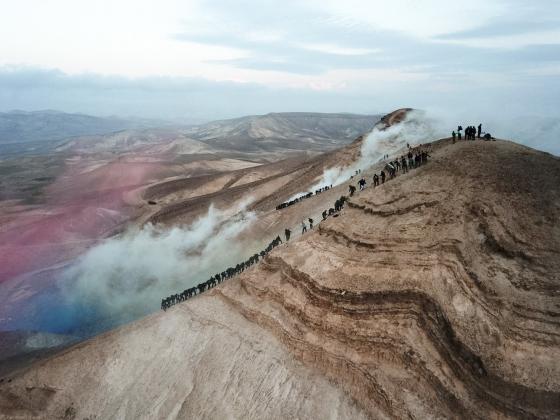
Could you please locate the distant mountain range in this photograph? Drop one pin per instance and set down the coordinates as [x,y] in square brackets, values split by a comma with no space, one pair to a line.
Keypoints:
[36,131]
[270,133]
[45,131]
[289,130]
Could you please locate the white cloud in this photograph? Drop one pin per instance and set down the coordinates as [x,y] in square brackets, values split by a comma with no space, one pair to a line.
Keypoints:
[127,276]
[372,54]
[136,38]
[340,50]
[515,41]
[419,18]
[128,37]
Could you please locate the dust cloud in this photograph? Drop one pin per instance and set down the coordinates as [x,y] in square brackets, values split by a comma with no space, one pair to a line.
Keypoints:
[417,128]
[126,276]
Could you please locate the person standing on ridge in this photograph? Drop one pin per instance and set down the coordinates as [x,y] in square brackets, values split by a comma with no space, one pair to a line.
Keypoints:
[404,165]
[310,223]
[479,130]
[362,184]
[454,135]
[287,233]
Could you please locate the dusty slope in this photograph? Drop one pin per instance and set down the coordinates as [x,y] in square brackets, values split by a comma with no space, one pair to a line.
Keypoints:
[435,295]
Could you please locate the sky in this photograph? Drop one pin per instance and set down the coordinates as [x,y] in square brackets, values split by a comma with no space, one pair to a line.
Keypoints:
[209,59]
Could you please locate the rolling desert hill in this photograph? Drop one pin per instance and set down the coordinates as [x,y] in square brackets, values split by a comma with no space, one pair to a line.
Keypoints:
[155,141]
[273,136]
[435,295]
[280,131]
[35,147]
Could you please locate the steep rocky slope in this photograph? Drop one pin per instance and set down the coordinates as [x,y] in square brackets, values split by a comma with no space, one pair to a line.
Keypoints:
[436,295]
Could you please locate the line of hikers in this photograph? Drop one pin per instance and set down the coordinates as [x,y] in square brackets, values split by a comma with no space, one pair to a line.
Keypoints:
[218,278]
[413,159]
[338,205]
[301,198]
[230,272]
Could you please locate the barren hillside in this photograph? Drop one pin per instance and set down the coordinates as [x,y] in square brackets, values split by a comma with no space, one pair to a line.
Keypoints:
[280,131]
[435,295]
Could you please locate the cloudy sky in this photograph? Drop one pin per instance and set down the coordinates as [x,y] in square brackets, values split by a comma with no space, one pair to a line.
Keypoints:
[207,59]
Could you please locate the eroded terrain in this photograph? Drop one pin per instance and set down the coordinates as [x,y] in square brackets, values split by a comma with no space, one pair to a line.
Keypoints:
[435,295]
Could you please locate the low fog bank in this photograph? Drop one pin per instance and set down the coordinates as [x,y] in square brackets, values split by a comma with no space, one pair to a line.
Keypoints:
[417,128]
[540,132]
[127,276]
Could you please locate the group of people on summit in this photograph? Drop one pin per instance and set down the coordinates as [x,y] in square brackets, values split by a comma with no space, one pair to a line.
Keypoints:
[471,132]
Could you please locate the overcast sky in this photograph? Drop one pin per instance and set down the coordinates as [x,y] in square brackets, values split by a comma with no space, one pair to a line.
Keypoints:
[208,59]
